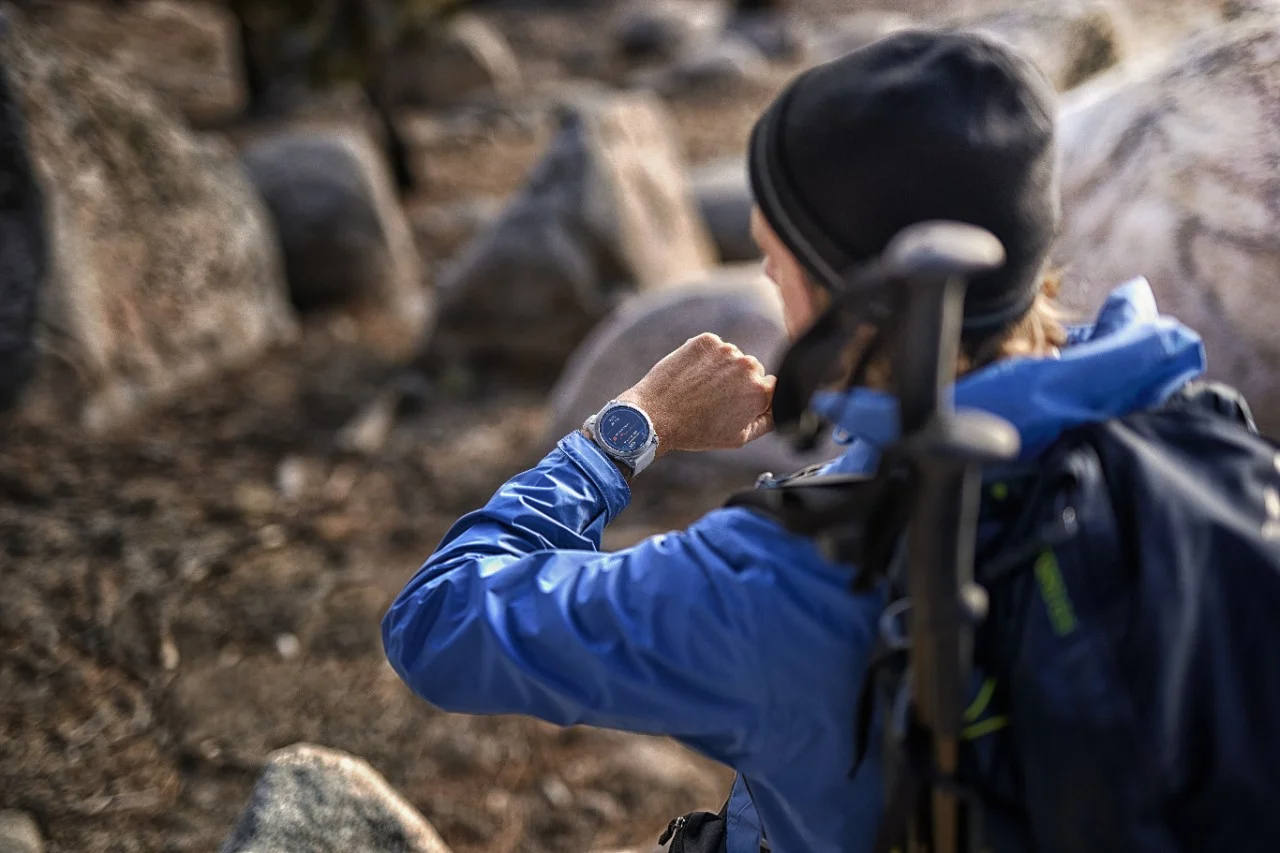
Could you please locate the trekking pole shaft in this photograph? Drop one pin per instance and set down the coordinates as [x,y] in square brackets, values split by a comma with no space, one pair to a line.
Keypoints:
[944,452]
[940,540]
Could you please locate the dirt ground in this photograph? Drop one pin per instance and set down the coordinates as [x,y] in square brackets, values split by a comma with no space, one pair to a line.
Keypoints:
[180,600]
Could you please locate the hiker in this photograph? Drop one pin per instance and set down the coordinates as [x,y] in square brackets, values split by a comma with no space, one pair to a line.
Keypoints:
[735,637]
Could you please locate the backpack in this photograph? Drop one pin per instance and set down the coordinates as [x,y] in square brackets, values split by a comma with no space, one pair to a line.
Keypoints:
[1130,660]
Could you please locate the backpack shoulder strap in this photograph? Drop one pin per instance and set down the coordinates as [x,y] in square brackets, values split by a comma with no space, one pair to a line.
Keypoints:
[1216,398]
[808,505]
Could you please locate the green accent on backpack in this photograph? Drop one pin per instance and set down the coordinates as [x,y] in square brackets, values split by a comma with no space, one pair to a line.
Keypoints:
[1054,592]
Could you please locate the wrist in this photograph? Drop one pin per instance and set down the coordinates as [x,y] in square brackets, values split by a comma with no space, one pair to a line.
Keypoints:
[626,473]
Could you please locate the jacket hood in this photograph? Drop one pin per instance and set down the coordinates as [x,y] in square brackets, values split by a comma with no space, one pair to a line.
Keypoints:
[1131,357]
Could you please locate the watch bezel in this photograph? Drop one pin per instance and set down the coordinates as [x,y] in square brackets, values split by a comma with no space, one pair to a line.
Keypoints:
[633,462]
[628,456]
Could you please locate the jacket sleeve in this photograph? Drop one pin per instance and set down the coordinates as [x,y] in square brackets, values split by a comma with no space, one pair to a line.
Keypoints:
[518,611]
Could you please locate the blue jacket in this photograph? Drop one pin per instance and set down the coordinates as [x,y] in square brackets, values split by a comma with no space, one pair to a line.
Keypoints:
[734,637]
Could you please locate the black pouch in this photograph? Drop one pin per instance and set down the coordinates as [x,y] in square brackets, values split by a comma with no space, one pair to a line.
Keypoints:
[697,832]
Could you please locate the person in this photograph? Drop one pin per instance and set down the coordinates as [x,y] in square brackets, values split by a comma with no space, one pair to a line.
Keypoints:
[735,637]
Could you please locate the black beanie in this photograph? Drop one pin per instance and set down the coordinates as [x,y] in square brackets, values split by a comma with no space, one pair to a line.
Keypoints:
[917,126]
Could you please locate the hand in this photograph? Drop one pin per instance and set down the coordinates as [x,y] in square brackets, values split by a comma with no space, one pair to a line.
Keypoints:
[707,395]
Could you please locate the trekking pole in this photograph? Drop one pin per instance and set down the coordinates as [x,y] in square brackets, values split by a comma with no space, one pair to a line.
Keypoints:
[944,451]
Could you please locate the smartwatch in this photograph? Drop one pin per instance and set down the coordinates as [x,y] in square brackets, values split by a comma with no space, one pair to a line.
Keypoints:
[625,433]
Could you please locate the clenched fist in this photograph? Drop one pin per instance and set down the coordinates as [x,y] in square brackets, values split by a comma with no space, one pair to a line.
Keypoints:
[707,395]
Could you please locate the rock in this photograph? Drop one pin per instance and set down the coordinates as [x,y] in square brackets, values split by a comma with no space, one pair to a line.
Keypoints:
[1071,40]
[317,799]
[187,52]
[665,30]
[469,59]
[345,238]
[1169,173]
[19,833]
[1235,10]
[442,230]
[24,265]
[717,68]
[724,199]
[739,304]
[852,32]
[163,263]
[775,33]
[607,211]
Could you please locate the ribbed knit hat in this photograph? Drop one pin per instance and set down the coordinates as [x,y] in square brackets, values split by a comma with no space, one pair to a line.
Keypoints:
[917,126]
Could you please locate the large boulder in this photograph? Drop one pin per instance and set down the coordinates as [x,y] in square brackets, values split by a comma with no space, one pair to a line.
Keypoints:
[163,266]
[187,52]
[1071,40]
[737,303]
[664,30]
[724,199]
[607,211]
[1170,173]
[465,60]
[345,238]
[325,801]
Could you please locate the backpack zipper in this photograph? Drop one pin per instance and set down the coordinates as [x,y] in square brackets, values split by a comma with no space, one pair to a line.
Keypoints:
[673,829]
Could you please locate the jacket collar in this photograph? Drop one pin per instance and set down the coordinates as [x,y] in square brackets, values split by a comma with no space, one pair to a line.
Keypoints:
[1131,357]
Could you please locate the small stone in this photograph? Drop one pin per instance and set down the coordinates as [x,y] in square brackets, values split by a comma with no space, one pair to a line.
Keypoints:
[292,477]
[192,569]
[19,833]
[273,536]
[289,646]
[254,499]
[497,801]
[556,792]
[603,805]
[169,657]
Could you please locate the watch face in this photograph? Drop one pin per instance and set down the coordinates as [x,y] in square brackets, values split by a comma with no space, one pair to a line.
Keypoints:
[624,430]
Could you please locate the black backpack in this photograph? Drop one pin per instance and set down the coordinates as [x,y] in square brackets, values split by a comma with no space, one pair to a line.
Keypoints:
[1131,654]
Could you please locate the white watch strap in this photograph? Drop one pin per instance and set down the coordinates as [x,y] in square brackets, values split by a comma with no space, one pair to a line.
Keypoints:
[642,461]
[636,464]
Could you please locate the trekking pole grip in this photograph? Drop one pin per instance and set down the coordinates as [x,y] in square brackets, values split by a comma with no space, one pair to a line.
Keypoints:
[944,450]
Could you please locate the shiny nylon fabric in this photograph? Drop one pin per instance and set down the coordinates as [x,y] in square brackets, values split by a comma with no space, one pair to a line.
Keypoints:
[734,637]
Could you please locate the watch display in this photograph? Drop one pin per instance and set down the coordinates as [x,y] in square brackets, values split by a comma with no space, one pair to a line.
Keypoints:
[624,430]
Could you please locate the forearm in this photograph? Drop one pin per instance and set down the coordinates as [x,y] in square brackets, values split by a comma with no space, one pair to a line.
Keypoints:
[564,502]
[560,505]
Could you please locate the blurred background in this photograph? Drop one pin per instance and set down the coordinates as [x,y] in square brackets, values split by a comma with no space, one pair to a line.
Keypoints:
[286,287]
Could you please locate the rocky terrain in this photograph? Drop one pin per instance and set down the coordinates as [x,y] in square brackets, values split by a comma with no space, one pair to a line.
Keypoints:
[250,378]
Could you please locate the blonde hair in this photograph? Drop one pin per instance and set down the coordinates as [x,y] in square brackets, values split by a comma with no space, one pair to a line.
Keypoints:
[1038,334]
